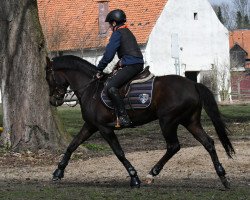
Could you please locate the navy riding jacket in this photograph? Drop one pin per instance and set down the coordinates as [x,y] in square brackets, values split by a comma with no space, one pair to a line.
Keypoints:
[110,51]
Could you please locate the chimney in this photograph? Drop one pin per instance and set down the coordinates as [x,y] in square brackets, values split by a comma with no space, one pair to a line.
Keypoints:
[103,11]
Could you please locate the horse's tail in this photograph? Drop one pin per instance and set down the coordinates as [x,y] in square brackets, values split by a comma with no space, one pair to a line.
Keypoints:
[210,106]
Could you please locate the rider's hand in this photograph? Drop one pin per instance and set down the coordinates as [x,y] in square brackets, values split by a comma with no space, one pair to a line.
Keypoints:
[99,74]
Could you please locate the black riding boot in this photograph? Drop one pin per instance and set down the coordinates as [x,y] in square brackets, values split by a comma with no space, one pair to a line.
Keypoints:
[123,117]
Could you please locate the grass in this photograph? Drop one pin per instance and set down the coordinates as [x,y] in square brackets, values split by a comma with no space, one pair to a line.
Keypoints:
[74,192]
[236,113]
[72,118]
[232,114]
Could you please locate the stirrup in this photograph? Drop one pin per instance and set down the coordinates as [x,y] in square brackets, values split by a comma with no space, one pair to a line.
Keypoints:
[121,122]
[124,121]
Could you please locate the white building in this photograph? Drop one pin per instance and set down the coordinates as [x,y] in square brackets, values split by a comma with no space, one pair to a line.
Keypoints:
[187,39]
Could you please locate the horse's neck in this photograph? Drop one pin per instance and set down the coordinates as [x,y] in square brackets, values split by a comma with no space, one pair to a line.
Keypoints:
[77,80]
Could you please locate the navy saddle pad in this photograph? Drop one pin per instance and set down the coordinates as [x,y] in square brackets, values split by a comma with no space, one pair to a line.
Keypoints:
[139,96]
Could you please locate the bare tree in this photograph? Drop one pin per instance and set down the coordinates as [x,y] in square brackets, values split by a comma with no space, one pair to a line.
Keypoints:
[242,6]
[229,20]
[226,14]
[224,81]
[218,80]
[29,121]
[229,12]
[53,30]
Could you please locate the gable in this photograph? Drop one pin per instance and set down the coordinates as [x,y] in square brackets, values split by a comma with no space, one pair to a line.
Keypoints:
[70,25]
[242,39]
[191,31]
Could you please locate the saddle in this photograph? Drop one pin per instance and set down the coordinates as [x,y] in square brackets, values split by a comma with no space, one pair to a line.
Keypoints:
[139,78]
[137,93]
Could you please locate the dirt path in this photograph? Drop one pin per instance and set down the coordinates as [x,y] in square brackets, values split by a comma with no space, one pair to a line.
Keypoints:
[190,164]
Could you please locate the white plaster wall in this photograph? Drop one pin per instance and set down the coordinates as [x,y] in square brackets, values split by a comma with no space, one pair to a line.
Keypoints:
[93,57]
[203,42]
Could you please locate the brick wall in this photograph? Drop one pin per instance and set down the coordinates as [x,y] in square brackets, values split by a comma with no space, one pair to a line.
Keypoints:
[240,83]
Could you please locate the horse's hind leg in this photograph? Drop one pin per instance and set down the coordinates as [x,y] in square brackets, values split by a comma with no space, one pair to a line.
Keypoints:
[110,137]
[83,135]
[169,132]
[198,132]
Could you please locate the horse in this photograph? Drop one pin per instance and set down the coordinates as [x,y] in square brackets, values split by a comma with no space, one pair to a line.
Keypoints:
[176,101]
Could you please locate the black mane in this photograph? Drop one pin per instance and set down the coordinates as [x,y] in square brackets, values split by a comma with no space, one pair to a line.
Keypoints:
[70,62]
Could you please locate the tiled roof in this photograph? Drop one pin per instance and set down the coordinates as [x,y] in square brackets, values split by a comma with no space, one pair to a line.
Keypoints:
[242,38]
[70,25]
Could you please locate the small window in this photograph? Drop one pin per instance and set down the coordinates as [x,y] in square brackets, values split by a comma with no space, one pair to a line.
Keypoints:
[195,16]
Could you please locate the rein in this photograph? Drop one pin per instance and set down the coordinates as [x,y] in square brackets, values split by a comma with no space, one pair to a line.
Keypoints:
[84,87]
[81,88]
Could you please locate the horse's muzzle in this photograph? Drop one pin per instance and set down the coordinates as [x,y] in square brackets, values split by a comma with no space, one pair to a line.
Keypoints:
[56,102]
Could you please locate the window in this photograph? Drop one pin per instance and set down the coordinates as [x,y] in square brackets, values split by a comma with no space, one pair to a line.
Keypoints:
[195,16]
[103,11]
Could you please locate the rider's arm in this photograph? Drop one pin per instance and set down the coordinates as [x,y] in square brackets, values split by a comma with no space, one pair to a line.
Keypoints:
[110,50]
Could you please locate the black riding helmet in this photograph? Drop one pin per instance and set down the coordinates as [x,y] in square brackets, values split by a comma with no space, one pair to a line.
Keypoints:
[116,15]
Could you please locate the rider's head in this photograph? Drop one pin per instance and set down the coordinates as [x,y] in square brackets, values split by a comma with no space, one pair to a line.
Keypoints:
[116,18]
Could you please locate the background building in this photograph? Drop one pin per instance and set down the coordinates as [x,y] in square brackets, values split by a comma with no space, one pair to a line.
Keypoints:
[176,36]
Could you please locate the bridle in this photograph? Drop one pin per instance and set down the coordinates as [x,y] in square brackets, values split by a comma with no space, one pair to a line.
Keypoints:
[61,90]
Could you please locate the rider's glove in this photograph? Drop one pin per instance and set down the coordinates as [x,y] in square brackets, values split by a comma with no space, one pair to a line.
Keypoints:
[99,74]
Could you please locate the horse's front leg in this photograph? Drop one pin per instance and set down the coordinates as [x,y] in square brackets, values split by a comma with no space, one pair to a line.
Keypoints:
[110,137]
[82,136]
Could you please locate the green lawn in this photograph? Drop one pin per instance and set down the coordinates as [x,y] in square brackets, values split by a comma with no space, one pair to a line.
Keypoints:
[232,114]
[97,192]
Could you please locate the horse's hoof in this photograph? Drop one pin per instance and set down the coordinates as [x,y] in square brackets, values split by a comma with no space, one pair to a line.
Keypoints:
[58,174]
[225,182]
[149,179]
[135,182]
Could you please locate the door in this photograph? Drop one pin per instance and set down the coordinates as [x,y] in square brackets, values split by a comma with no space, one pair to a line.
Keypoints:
[192,75]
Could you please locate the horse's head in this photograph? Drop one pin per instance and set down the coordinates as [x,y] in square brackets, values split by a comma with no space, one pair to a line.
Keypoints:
[57,85]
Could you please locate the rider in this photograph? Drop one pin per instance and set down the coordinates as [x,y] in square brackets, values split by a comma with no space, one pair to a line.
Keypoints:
[131,61]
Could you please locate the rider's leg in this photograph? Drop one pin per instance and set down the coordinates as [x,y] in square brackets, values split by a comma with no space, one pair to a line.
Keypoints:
[119,106]
[121,77]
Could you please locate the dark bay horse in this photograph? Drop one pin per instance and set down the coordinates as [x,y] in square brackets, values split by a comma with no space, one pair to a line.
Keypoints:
[175,100]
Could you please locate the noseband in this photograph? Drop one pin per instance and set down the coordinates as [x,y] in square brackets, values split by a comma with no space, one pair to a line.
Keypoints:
[60,90]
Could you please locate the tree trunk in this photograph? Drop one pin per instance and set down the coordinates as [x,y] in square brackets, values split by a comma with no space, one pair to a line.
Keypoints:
[28,119]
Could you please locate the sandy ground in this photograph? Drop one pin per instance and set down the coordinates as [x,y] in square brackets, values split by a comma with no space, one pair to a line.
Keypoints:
[190,164]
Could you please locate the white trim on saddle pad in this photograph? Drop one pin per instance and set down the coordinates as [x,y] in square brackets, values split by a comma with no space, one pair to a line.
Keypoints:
[143,79]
